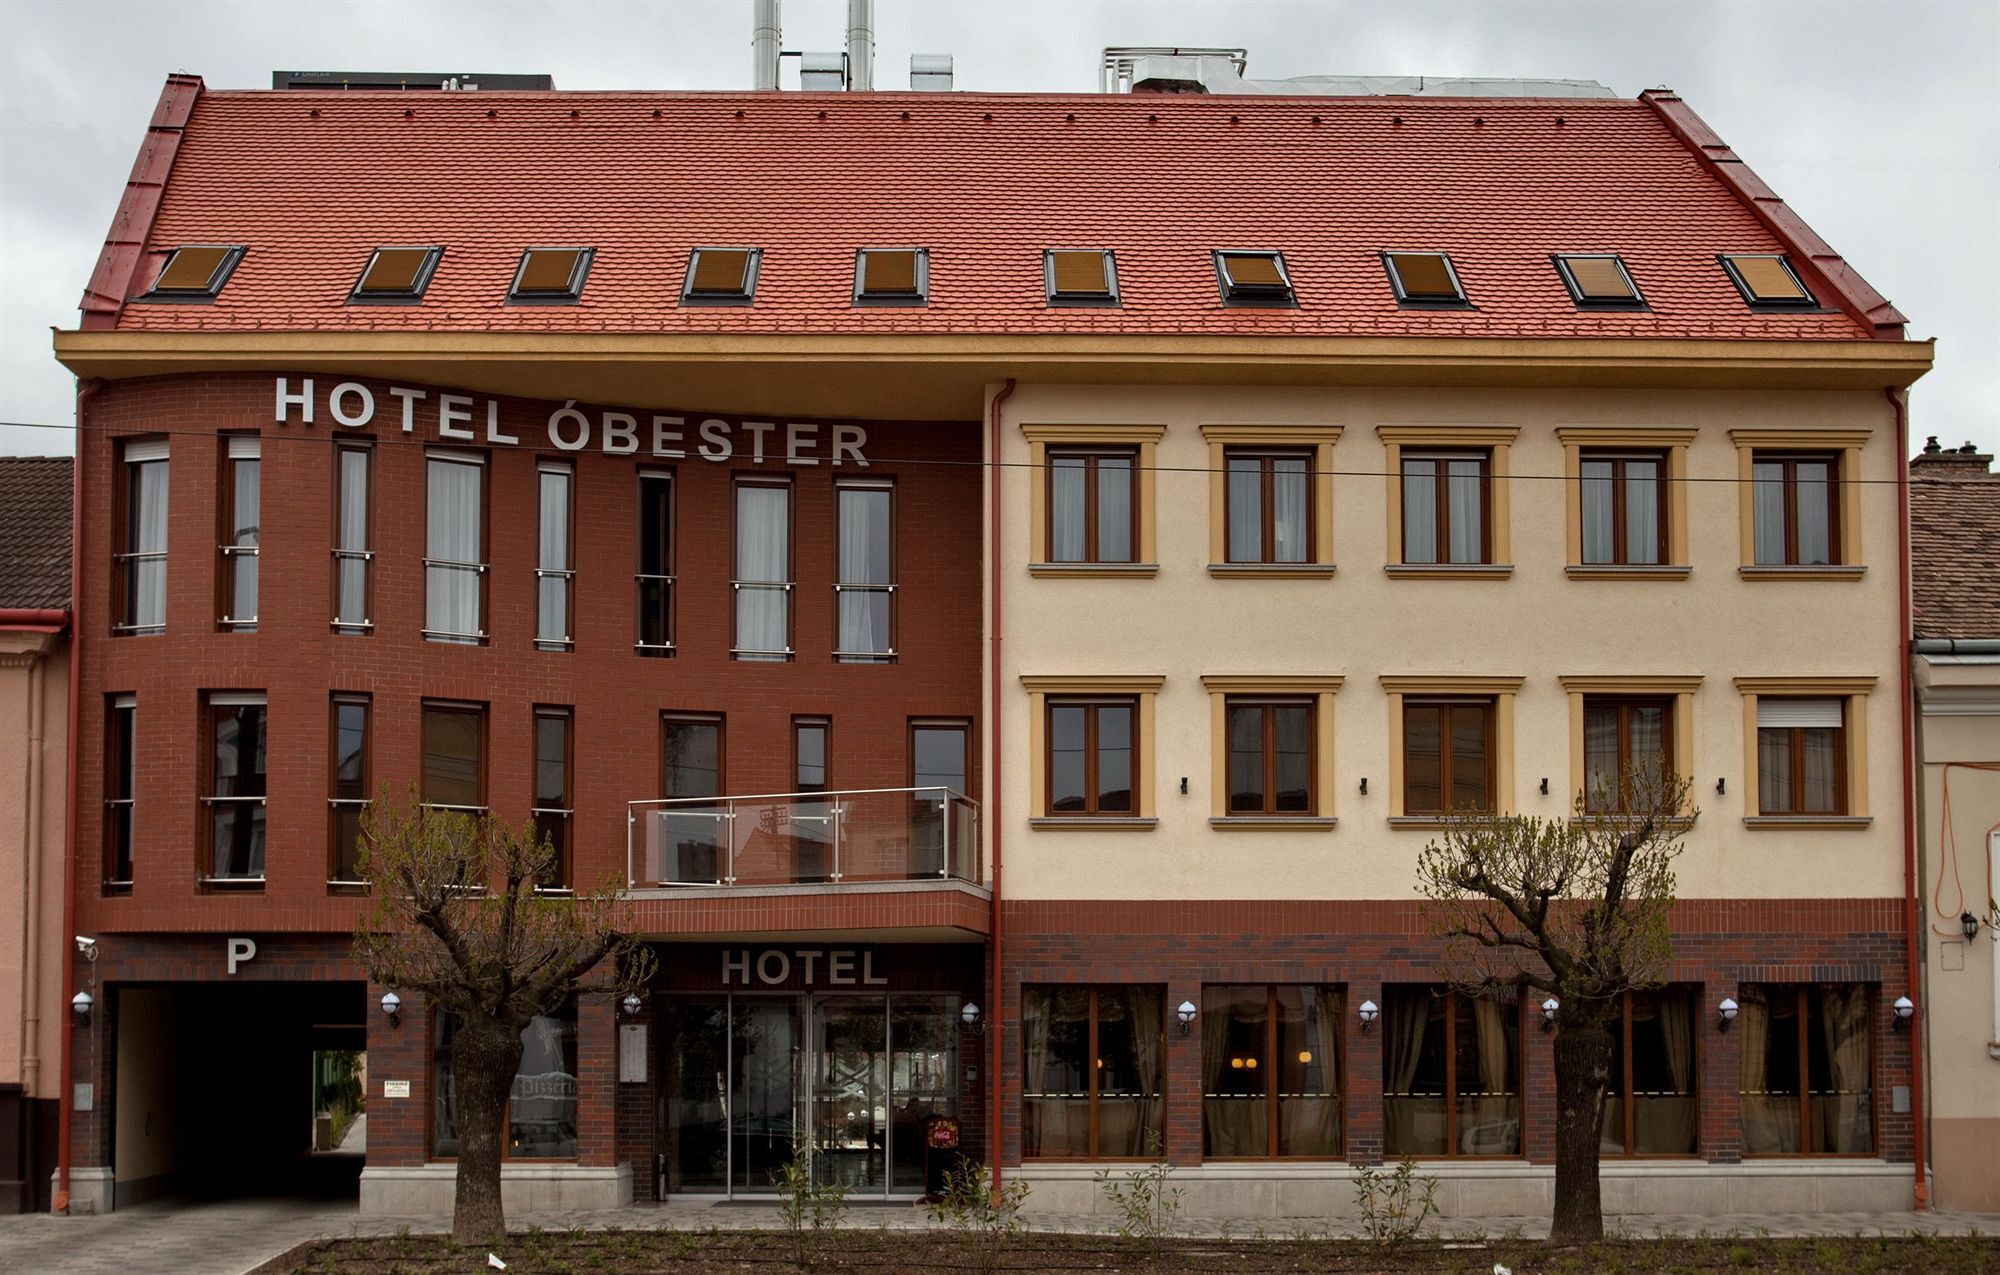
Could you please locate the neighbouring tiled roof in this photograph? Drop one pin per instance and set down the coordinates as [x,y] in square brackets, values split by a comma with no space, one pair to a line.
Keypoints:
[1955,551]
[312,181]
[34,532]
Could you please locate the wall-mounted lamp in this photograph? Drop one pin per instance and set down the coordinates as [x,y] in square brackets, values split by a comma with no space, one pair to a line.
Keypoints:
[1545,785]
[1368,1014]
[1906,1009]
[1364,785]
[1725,1014]
[392,1006]
[1185,1013]
[1549,1008]
[1183,785]
[968,1017]
[1970,924]
[1721,786]
[631,1004]
[80,1005]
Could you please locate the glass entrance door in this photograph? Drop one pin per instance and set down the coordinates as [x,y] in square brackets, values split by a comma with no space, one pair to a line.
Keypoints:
[850,1093]
[764,1090]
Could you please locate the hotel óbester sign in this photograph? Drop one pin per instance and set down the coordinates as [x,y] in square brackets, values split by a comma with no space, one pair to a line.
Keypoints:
[466,418]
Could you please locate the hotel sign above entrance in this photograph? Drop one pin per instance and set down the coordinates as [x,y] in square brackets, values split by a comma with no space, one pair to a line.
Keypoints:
[465,418]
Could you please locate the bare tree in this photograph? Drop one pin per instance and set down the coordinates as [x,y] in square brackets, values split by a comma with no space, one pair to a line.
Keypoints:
[455,914]
[1575,908]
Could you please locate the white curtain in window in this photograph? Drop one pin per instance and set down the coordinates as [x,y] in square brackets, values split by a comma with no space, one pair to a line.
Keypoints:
[1642,512]
[864,561]
[1596,497]
[1468,518]
[1420,511]
[552,591]
[149,535]
[452,543]
[763,566]
[1067,516]
[1289,492]
[1767,502]
[353,537]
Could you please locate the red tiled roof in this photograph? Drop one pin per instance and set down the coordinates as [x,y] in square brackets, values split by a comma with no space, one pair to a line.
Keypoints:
[311,182]
[1955,548]
[34,532]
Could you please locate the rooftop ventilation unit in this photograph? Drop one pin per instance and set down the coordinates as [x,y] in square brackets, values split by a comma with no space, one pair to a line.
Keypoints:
[822,72]
[930,72]
[1221,72]
[394,81]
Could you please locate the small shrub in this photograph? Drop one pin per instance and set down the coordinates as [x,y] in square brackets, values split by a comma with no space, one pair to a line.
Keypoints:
[1394,1203]
[1146,1205]
[807,1208]
[986,1220]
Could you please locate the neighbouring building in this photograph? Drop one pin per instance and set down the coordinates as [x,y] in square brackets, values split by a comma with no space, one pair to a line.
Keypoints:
[34,740]
[1955,656]
[1007,583]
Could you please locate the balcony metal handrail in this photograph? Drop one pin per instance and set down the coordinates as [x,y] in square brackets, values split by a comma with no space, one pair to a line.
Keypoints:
[828,808]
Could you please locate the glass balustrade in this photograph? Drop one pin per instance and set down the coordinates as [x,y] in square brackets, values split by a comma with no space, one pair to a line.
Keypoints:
[818,838]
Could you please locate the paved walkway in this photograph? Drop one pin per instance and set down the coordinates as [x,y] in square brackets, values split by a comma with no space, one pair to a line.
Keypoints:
[234,1237]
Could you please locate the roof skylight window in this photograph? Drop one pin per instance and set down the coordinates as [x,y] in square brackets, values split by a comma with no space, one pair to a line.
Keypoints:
[1767,281]
[397,275]
[1599,282]
[721,276]
[892,276]
[195,272]
[1080,277]
[1254,279]
[550,276]
[1424,280]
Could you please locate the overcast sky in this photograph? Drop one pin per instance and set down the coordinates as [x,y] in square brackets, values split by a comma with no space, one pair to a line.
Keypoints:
[1878,122]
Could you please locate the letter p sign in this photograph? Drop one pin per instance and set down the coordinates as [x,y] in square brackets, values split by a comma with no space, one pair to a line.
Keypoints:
[240,950]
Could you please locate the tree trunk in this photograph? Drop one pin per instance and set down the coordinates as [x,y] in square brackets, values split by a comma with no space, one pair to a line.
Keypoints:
[1583,1067]
[485,1054]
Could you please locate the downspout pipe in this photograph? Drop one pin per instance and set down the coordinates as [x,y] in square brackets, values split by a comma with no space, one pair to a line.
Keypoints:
[1899,403]
[65,1120]
[995,1019]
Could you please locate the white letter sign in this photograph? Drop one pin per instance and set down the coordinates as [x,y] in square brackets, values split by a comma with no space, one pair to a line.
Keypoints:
[238,951]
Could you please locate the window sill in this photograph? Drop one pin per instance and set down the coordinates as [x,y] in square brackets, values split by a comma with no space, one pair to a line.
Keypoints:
[1749,572]
[1426,821]
[1680,823]
[1092,570]
[1448,570]
[1095,823]
[1272,570]
[1611,571]
[1808,822]
[1274,823]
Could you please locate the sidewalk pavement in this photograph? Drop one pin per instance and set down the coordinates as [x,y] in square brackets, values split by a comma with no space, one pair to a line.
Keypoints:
[230,1238]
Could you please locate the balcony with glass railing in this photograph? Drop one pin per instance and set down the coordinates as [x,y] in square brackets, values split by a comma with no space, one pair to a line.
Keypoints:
[808,840]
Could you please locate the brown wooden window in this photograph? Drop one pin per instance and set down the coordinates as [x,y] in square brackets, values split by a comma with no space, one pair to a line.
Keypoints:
[140,566]
[1269,505]
[1795,508]
[348,787]
[1271,1071]
[1451,1074]
[555,805]
[454,743]
[864,587]
[1093,1072]
[121,756]
[1093,756]
[1446,507]
[1624,508]
[542,1108]
[763,580]
[236,786]
[239,503]
[455,548]
[1807,1070]
[1093,504]
[1628,745]
[1271,761]
[1448,755]
[1801,756]
[1652,1105]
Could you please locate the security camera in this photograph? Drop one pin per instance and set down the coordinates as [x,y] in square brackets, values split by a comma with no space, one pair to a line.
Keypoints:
[87,946]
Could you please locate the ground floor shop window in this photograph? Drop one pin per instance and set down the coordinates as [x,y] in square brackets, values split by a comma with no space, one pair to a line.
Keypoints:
[1092,1072]
[1808,1065]
[1650,1104]
[1451,1074]
[1270,1063]
[541,1110]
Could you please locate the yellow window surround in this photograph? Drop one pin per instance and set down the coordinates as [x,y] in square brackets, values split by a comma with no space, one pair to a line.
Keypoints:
[1679,689]
[1495,440]
[1143,687]
[1846,444]
[1673,442]
[1144,439]
[1854,692]
[1321,687]
[1500,688]
[1320,438]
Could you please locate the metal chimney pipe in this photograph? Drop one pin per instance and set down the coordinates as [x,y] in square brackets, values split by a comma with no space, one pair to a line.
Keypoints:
[860,45]
[764,45]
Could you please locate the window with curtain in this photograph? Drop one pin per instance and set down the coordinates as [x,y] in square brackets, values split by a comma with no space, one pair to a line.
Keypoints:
[688,847]
[121,755]
[1093,1073]
[1795,508]
[236,793]
[1623,505]
[541,1107]
[353,556]
[454,741]
[1801,756]
[1807,1068]
[239,502]
[763,580]
[141,565]
[554,809]
[1270,755]
[349,796]
[1093,508]
[455,549]
[1270,1059]
[1627,747]
[865,588]
[1445,507]
[1092,757]
[1451,1074]
[1448,755]
[654,578]
[555,561]
[1268,505]
[1651,1103]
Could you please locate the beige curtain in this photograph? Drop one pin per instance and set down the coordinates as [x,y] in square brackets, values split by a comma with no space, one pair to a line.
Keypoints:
[1487,1123]
[1770,1120]
[1228,1119]
[1310,1125]
[1841,1119]
[1036,1010]
[1665,1125]
[1405,1014]
[1150,1130]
